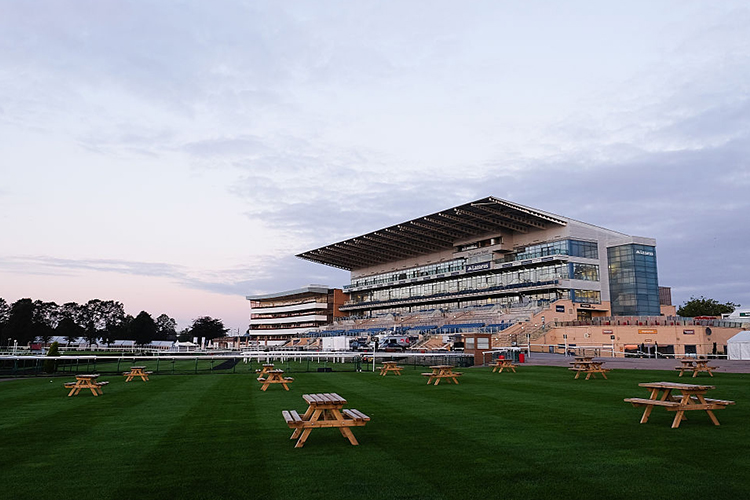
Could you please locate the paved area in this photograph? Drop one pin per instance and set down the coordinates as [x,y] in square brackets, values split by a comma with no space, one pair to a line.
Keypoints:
[724,365]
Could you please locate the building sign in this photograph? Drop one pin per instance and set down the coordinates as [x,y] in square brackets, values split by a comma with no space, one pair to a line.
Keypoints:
[688,332]
[472,268]
[745,315]
[644,252]
[585,306]
[560,309]
[649,331]
[607,332]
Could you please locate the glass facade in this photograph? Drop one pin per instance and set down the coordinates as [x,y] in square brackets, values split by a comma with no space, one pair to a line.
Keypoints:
[633,280]
[406,274]
[574,248]
[458,282]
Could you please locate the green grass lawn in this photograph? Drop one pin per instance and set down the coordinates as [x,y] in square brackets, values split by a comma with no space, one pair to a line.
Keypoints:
[533,434]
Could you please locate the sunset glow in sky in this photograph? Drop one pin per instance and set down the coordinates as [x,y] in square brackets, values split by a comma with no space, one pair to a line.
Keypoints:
[175,156]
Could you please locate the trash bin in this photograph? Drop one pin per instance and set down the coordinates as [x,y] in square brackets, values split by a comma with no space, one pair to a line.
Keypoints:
[521,357]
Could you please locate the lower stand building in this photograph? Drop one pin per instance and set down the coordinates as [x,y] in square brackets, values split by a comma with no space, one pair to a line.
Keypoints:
[276,318]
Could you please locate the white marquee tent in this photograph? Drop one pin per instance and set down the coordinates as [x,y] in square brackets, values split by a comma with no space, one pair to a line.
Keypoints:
[738,347]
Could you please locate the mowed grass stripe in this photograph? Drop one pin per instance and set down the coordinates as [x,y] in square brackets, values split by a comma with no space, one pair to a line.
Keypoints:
[533,434]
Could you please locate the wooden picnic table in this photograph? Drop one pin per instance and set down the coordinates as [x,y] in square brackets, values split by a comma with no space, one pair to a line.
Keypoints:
[441,372]
[85,381]
[137,371]
[501,364]
[390,366]
[695,365]
[581,361]
[691,397]
[590,368]
[262,371]
[275,377]
[324,410]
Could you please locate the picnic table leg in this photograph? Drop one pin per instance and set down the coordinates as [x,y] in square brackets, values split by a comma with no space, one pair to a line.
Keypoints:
[285,386]
[264,386]
[677,419]
[72,391]
[303,438]
[604,375]
[711,415]
[455,380]
[695,372]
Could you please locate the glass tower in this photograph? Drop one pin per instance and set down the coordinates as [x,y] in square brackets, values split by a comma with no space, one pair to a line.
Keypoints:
[633,281]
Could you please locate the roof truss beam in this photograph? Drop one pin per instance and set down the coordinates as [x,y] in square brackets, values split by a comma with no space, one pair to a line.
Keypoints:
[492,220]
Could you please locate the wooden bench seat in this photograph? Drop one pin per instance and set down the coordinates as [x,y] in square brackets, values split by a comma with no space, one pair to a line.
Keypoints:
[355,415]
[100,384]
[652,402]
[70,384]
[261,379]
[292,418]
[289,379]
[723,402]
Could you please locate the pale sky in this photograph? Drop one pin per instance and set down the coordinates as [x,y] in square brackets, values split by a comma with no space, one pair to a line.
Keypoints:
[176,155]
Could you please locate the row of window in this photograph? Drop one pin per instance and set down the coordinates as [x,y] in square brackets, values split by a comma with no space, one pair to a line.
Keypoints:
[574,248]
[465,283]
[417,272]
[539,298]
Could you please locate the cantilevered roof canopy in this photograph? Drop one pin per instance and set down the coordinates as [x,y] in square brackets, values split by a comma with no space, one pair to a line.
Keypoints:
[432,233]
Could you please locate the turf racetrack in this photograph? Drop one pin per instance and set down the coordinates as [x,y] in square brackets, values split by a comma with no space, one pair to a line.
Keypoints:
[533,434]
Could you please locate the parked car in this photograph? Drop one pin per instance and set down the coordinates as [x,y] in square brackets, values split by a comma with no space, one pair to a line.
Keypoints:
[360,344]
[394,343]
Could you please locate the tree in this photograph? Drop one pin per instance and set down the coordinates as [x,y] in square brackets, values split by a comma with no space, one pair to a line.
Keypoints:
[207,327]
[4,315]
[68,329]
[705,307]
[45,319]
[20,326]
[166,328]
[143,328]
[184,335]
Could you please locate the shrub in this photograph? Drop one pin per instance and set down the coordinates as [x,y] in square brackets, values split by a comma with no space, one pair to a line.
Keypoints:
[50,365]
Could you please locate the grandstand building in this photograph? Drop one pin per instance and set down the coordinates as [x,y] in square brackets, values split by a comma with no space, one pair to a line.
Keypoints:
[276,318]
[494,252]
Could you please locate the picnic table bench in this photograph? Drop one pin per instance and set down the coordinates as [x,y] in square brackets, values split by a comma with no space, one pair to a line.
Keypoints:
[390,366]
[440,372]
[502,364]
[695,365]
[136,371]
[324,410]
[85,381]
[275,377]
[590,368]
[691,398]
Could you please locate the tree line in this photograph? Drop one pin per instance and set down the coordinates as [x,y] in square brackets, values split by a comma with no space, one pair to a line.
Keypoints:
[98,321]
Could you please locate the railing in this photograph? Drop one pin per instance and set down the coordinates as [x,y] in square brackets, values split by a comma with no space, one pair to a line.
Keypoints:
[291,361]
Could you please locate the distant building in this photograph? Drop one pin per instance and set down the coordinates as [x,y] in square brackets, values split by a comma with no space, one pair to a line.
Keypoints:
[278,317]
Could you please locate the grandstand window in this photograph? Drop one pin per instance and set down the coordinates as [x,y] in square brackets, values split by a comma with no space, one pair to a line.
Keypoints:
[588,272]
[587,296]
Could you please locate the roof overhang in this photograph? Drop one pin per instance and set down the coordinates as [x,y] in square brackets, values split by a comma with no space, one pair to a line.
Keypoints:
[432,233]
